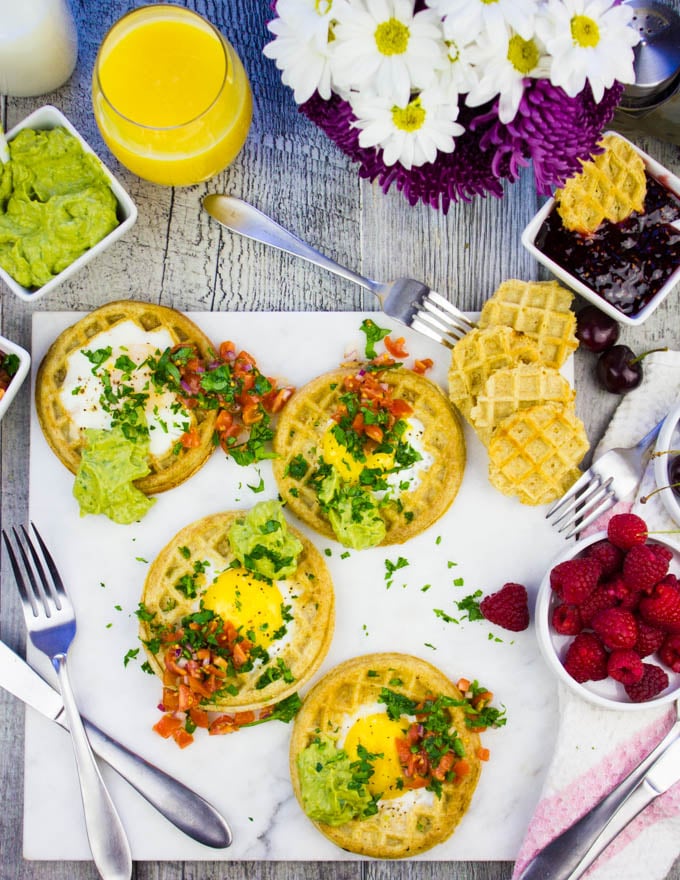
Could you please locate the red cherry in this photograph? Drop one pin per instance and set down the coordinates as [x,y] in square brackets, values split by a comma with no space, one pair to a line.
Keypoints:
[596,331]
[619,370]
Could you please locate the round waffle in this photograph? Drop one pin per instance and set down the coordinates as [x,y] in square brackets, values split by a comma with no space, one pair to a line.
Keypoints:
[534,453]
[610,187]
[306,417]
[514,388]
[416,824]
[67,440]
[540,310]
[312,608]
[480,353]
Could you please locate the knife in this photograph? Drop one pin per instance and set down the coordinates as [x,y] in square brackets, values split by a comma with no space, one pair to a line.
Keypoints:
[180,805]
[572,852]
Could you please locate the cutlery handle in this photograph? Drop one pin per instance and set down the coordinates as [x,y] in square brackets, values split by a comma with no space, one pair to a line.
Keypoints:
[572,852]
[239,216]
[105,832]
[186,810]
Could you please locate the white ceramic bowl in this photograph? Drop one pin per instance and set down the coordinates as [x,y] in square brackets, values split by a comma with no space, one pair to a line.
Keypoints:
[607,693]
[9,347]
[667,179]
[669,438]
[46,118]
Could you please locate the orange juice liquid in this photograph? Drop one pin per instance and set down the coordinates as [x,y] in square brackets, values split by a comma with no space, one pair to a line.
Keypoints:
[170,96]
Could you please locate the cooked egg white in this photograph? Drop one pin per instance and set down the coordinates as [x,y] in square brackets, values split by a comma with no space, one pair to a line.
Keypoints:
[82,391]
[405,480]
[371,727]
[252,604]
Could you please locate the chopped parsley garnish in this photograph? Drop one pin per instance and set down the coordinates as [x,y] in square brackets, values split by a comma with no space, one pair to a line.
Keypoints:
[470,606]
[373,334]
[131,655]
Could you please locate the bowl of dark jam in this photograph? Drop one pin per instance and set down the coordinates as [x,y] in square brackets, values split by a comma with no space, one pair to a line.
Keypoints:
[626,269]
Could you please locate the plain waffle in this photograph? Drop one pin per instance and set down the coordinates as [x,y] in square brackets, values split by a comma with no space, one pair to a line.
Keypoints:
[394,832]
[513,388]
[312,609]
[540,310]
[67,440]
[534,453]
[480,353]
[610,187]
[306,418]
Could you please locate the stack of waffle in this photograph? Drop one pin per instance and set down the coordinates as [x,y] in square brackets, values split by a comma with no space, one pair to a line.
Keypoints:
[504,378]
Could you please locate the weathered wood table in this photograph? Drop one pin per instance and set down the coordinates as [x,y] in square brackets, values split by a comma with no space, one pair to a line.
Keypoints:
[175,255]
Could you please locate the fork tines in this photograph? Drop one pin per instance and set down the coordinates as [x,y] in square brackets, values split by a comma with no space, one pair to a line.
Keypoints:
[437,318]
[588,498]
[33,584]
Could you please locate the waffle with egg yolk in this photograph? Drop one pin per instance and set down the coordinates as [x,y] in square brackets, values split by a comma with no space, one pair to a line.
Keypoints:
[67,440]
[306,418]
[312,609]
[392,832]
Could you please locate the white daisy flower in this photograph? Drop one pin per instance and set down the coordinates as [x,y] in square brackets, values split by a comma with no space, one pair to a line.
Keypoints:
[383,46]
[459,74]
[505,64]
[589,40]
[301,46]
[410,133]
[493,15]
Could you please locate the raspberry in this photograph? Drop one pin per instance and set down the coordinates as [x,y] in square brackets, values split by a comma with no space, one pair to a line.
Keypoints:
[609,557]
[586,658]
[626,529]
[650,638]
[625,665]
[669,652]
[566,620]
[653,681]
[598,599]
[616,627]
[575,579]
[624,595]
[663,552]
[643,567]
[662,607]
[508,607]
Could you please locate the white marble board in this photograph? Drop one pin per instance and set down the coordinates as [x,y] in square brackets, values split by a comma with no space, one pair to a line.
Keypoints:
[490,538]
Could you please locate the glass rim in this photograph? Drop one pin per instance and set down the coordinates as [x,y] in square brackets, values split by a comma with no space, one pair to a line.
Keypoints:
[183,11]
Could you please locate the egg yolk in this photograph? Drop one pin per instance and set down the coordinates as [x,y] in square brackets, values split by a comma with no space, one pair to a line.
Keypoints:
[346,465]
[377,734]
[247,602]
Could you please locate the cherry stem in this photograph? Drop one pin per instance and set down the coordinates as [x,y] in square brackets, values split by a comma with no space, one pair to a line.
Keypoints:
[644,355]
[661,452]
[645,498]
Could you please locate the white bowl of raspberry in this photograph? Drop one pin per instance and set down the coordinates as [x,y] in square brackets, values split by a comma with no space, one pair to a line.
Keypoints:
[608,617]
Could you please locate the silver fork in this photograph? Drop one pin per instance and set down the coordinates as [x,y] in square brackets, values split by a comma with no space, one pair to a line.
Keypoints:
[613,477]
[51,626]
[408,301]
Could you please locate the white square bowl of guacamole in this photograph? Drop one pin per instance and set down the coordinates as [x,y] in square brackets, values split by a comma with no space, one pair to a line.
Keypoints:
[60,206]
[15,363]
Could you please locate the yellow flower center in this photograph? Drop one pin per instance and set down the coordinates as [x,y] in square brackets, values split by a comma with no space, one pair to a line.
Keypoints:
[409,118]
[453,51]
[489,2]
[522,54]
[391,37]
[584,31]
[322,7]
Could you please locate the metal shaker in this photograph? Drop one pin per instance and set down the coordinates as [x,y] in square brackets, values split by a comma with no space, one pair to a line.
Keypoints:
[651,104]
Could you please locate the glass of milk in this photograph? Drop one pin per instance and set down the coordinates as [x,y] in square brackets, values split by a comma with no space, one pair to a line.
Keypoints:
[38,46]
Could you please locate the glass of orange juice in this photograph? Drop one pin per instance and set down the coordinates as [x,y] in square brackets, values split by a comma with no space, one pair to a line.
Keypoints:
[170,95]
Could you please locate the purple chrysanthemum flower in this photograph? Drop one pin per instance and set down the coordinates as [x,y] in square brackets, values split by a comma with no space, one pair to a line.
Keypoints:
[551,130]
